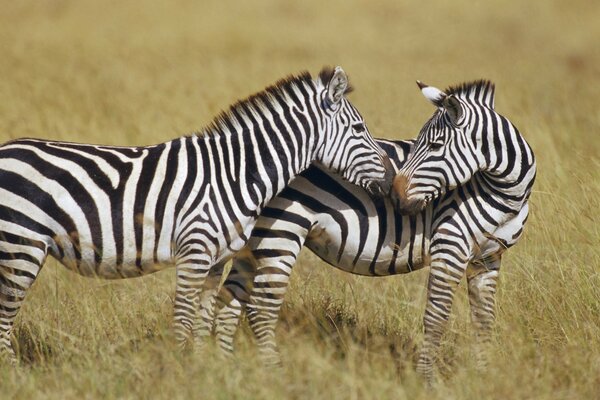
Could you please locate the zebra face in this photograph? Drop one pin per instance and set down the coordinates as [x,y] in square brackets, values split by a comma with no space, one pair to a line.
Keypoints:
[348,147]
[444,155]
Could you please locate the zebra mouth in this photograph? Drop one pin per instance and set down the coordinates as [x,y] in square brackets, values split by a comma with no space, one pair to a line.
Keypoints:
[378,189]
[413,207]
[382,187]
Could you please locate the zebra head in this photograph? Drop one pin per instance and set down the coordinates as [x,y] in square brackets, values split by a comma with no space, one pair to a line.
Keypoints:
[447,151]
[347,147]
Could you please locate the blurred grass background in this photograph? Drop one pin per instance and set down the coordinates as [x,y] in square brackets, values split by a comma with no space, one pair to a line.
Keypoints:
[131,73]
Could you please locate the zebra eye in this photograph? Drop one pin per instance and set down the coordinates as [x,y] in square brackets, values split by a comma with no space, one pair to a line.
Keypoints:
[436,145]
[358,128]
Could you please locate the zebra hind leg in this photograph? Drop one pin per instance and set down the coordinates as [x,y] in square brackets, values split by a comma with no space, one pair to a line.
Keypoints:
[444,278]
[482,280]
[20,262]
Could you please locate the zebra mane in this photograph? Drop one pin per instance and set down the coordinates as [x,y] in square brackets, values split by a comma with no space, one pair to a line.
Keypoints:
[481,91]
[281,89]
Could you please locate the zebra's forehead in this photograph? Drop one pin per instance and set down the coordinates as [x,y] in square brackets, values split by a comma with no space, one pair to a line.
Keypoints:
[434,126]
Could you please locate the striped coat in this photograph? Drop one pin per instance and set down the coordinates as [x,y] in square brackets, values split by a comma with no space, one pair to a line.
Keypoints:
[464,224]
[119,212]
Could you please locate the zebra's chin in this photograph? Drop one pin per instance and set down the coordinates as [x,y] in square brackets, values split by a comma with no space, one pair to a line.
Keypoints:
[409,207]
[405,204]
[377,189]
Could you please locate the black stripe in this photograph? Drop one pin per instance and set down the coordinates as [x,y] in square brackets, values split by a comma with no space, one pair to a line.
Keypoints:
[382,219]
[146,177]
[23,188]
[172,168]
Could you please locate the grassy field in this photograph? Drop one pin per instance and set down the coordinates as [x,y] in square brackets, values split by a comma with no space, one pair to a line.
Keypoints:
[130,73]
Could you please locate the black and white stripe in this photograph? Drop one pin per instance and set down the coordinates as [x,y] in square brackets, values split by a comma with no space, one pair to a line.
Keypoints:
[116,212]
[464,214]
[342,225]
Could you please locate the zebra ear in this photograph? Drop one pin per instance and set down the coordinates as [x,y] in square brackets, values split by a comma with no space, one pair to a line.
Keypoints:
[453,108]
[434,95]
[337,86]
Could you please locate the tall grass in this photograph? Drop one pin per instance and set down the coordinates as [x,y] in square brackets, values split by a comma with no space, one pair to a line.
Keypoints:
[131,73]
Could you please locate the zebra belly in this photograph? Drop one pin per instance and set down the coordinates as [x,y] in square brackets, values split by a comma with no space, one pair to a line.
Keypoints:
[113,266]
[384,243]
[72,242]
[113,271]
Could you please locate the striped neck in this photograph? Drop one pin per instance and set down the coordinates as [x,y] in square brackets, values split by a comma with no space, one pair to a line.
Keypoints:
[509,165]
[266,140]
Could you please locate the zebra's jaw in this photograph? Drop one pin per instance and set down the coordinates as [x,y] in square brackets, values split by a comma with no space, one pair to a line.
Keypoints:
[400,198]
[409,207]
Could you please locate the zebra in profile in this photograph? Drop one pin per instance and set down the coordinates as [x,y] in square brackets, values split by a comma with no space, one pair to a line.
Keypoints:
[460,199]
[122,212]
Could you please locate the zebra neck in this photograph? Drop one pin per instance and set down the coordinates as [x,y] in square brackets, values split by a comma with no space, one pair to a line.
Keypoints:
[256,157]
[510,175]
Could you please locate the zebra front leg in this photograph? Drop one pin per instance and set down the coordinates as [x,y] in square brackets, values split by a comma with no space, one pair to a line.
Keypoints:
[232,300]
[482,279]
[205,316]
[444,277]
[189,282]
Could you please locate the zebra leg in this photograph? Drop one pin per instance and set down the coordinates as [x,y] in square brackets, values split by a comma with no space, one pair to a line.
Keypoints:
[482,280]
[205,316]
[270,286]
[20,262]
[232,300]
[189,282]
[444,277]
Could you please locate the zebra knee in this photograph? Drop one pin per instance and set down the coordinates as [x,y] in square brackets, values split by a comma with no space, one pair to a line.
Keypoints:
[7,351]
[425,364]
[482,291]
[226,323]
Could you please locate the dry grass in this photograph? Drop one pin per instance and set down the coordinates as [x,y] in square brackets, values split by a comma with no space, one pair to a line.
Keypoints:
[130,73]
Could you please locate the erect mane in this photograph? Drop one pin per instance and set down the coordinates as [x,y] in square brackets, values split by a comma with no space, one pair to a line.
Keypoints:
[481,91]
[281,89]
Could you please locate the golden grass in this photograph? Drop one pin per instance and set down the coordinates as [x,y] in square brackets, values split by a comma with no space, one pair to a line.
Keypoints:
[125,72]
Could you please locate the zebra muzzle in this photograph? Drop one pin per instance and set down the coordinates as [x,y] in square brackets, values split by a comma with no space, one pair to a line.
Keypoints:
[400,199]
[382,187]
[388,179]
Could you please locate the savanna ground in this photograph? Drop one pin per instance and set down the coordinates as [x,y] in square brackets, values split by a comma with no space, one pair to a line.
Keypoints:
[130,73]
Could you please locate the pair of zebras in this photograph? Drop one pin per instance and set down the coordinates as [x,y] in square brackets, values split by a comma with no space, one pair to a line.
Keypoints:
[458,199]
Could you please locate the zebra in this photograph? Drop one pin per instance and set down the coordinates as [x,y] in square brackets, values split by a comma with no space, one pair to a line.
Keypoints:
[123,212]
[459,200]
